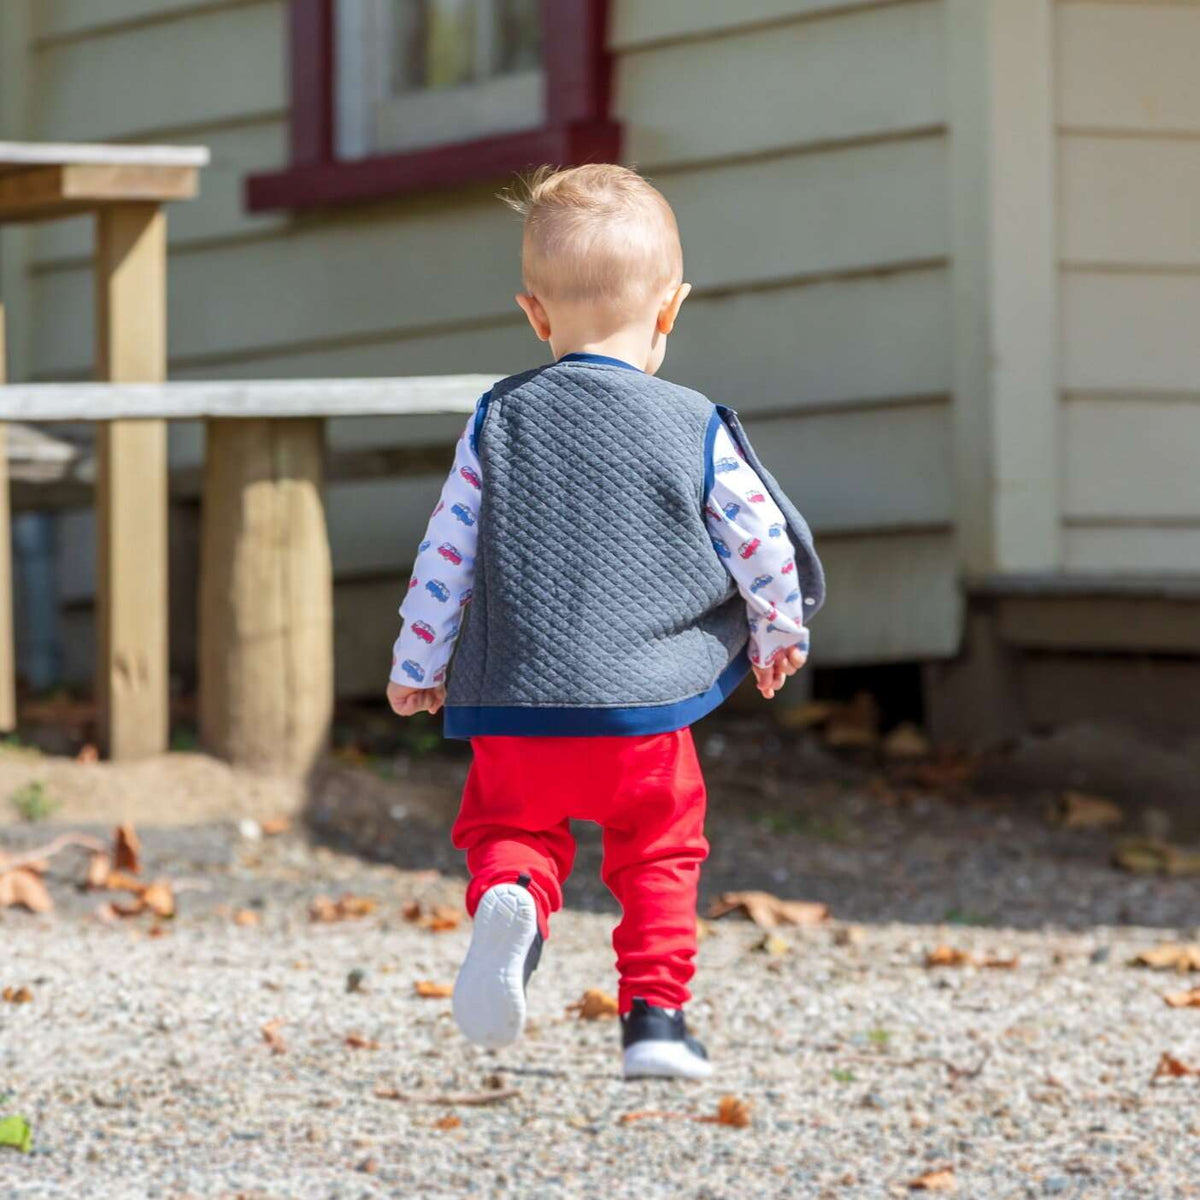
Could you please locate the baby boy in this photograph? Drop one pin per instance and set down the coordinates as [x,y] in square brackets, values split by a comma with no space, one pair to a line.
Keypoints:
[610,558]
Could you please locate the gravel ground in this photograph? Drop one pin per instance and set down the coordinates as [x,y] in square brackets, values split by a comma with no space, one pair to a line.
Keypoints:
[142,1065]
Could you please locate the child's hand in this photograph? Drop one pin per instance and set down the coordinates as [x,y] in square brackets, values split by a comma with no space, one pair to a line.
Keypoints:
[406,701]
[773,676]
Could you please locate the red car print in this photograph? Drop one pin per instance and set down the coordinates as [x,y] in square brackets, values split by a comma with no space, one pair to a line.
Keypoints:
[471,477]
[756,497]
[439,508]
[450,553]
[412,583]
[772,613]
[747,548]
[424,632]
[788,567]
[439,675]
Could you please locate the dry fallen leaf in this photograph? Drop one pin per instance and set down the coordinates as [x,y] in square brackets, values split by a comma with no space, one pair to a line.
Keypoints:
[274,826]
[767,911]
[730,1111]
[449,1121]
[17,995]
[1148,856]
[23,888]
[947,773]
[356,1041]
[159,898]
[1170,956]
[854,725]
[99,869]
[906,741]
[468,1099]
[127,850]
[428,990]
[1082,811]
[948,956]
[940,1180]
[325,910]
[593,1005]
[1169,1067]
[772,944]
[441,918]
[1188,999]
[273,1038]
[87,754]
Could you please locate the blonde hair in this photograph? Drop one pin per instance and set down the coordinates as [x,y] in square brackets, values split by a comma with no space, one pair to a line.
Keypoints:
[597,234]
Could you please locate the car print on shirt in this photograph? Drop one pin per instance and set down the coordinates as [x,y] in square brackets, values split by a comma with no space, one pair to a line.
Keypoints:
[714,513]
[731,510]
[760,582]
[438,590]
[788,567]
[772,612]
[775,531]
[440,506]
[424,546]
[439,675]
[413,670]
[722,550]
[792,597]
[725,464]
[450,553]
[465,598]
[463,513]
[472,477]
[451,634]
[424,632]
[748,547]
[412,583]
[756,497]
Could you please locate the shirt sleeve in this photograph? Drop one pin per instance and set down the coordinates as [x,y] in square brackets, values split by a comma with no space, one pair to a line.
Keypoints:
[443,574]
[750,534]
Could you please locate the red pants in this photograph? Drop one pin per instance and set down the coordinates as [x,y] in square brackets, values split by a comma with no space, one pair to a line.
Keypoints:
[646,793]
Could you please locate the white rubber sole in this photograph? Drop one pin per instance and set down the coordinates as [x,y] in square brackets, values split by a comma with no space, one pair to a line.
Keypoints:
[489,994]
[664,1060]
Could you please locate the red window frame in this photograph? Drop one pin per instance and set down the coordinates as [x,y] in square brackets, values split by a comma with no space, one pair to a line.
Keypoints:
[578,127]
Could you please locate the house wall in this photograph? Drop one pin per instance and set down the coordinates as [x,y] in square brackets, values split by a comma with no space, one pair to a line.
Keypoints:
[1128,115]
[803,145]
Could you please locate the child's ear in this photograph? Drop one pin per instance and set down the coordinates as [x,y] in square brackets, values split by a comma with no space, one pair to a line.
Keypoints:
[531,306]
[669,313]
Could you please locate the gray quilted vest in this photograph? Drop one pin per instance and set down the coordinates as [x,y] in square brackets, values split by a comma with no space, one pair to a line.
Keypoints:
[599,605]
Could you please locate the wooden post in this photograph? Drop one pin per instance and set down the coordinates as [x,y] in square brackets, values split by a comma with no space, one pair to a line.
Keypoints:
[8,648]
[266,594]
[131,511]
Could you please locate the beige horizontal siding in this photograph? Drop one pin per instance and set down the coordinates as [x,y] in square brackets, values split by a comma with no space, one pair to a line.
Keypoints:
[1134,458]
[889,598]
[61,19]
[635,24]
[1132,332]
[865,74]
[1129,201]
[1128,67]
[202,69]
[1134,550]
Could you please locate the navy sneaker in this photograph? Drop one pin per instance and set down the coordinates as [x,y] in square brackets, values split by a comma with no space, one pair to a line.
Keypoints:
[657,1045]
[506,946]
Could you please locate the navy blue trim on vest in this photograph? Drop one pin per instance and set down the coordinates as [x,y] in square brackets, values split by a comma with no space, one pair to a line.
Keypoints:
[602,359]
[468,721]
[710,440]
[481,408]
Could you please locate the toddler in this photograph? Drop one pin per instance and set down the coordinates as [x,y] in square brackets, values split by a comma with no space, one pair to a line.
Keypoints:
[610,557]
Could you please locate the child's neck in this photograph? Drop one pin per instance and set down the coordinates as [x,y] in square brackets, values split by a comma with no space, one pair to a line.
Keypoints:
[628,345]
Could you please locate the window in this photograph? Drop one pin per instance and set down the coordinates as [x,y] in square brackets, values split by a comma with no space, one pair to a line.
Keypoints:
[391,96]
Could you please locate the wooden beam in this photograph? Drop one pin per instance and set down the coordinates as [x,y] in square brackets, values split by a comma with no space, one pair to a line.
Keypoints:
[8,647]
[38,193]
[420,396]
[131,673]
[266,595]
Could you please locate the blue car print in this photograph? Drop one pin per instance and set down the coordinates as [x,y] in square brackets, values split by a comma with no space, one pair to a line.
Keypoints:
[438,590]
[792,597]
[731,510]
[463,513]
[757,586]
[413,670]
[775,531]
[424,546]
[465,598]
[725,464]
[722,550]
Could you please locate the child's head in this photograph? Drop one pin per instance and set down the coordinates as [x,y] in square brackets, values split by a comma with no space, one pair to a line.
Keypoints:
[601,261]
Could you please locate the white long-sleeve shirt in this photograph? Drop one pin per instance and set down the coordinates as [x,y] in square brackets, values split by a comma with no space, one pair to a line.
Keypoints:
[749,535]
